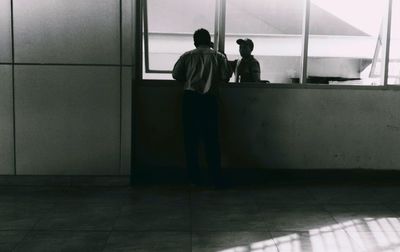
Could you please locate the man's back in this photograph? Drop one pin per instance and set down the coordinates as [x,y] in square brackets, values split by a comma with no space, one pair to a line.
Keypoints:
[202,69]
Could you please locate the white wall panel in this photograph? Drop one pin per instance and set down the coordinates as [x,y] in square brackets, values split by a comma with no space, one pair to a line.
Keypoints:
[67,31]
[6,122]
[127,37]
[126,126]
[5,31]
[67,120]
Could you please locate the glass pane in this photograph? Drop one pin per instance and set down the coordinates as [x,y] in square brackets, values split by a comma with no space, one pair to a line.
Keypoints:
[394,58]
[66,31]
[171,26]
[5,31]
[345,42]
[275,27]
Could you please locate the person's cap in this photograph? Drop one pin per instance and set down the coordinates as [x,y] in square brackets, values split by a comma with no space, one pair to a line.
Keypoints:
[246,41]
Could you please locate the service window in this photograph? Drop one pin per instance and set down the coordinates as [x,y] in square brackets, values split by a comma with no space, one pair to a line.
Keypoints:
[168,32]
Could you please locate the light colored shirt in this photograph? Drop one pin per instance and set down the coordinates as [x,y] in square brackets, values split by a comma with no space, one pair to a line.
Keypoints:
[201,69]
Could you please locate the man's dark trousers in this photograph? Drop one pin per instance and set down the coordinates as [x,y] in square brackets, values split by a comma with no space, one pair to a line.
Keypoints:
[200,125]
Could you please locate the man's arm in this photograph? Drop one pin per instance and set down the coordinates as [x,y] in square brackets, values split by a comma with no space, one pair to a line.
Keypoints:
[225,69]
[179,71]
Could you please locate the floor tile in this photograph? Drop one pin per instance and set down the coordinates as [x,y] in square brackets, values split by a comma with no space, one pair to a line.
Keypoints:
[22,216]
[345,194]
[79,218]
[283,195]
[223,197]
[377,241]
[363,217]
[300,218]
[149,241]
[10,239]
[50,241]
[233,241]
[326,240]
[388,224]
[178,218]
[154,217]
[227,218]
[388,194]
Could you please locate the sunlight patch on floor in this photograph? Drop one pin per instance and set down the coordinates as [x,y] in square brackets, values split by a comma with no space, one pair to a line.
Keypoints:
[358,235]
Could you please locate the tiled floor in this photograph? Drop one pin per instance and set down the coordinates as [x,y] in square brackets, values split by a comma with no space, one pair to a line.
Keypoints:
[174,219]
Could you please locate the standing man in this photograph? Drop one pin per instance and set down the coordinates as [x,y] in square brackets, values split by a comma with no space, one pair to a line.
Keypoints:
[246,69]
[201,70]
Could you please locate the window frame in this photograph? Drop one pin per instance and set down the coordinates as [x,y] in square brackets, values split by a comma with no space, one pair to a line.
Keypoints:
[219,42]
[219,33]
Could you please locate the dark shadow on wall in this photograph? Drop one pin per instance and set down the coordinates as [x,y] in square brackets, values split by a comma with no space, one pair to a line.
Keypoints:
[254,137]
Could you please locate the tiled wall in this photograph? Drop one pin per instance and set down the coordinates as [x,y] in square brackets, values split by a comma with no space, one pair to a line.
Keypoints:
[65,81]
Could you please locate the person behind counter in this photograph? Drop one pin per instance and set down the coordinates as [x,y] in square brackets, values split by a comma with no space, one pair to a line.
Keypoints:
[247,68]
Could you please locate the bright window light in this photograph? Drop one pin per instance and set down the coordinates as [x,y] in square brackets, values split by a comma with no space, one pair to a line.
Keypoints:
[344,47]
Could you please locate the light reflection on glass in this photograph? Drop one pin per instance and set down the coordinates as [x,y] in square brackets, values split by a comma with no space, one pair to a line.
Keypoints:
[344,49]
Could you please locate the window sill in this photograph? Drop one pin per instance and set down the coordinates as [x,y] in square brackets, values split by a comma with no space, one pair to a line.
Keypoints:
[172,83]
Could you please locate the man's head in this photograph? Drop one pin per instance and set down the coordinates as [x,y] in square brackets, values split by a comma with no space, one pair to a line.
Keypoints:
[202,37]
[246,46]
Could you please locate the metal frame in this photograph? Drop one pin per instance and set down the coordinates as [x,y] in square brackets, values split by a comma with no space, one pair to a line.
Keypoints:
[376,59]
[305,36]
[137,45]
[120,85]
[137,75]
[13,85]
[386,42]
[216,24]
[219,33]
[146,40]
[219,29]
